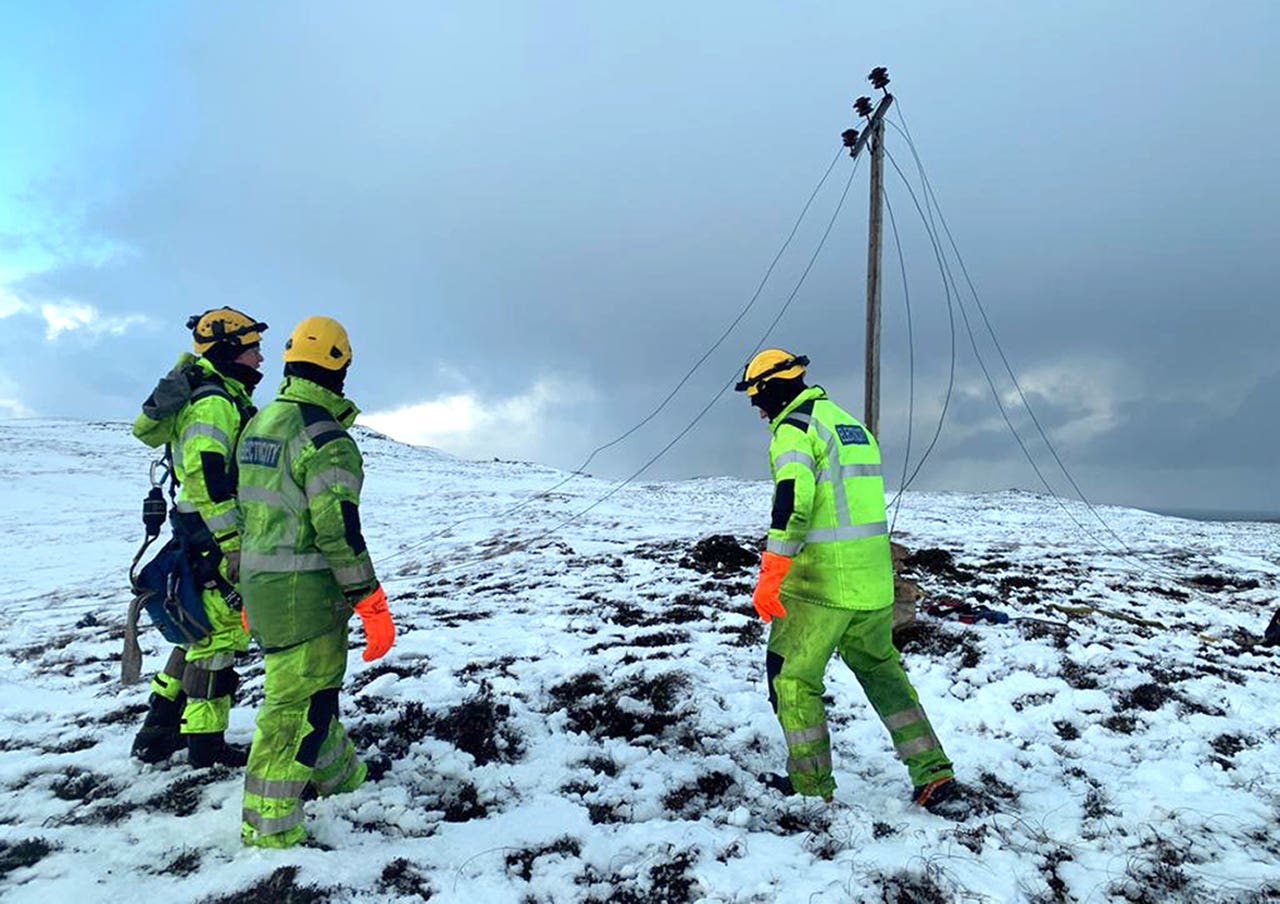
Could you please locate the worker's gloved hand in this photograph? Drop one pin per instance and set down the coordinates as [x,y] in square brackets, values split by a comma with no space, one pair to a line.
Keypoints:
[379,629]
[773,568]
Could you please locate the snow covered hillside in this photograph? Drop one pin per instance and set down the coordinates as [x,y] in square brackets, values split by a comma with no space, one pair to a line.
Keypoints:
[583,719]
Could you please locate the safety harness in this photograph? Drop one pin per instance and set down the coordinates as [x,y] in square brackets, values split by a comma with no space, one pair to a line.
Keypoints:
[169,586]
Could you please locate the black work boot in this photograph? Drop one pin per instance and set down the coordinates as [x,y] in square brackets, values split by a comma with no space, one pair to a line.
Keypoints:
[211,749]
[159,736]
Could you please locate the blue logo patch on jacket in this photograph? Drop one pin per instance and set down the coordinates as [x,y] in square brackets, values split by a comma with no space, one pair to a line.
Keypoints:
[257,450]
[852,435]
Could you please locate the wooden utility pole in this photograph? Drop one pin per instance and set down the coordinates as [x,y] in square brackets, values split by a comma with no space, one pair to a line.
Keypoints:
[875,221]
[855,141]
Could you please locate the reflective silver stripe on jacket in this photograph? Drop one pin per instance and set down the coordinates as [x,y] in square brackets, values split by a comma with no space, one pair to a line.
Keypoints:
[275,825]
[844,472]
[205,430]
[843,516]
[806,735]
[283,560]
[795,457]
[273,498]
[904,718]
[321,427]
[274,787]
[816,763]
[850,532]
[187,508]
[788,548]
[321,482]
[221,522]
[356,575]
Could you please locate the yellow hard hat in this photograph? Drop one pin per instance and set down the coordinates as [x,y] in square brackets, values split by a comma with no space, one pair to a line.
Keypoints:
[321,341]
[235,328]
[770,364]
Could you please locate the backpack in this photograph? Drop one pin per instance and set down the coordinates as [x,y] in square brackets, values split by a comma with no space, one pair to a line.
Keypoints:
[185,383]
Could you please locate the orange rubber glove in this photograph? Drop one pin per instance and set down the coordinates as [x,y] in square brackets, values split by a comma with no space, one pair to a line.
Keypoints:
[379,629]
[773,568]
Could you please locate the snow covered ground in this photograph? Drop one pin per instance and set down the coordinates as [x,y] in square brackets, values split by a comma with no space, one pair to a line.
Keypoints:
[582,718]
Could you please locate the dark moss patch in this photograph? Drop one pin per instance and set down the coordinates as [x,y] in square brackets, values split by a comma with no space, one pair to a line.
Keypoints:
[520,863]
[463,804]
[281,887]
[626,615]
[719,554]
[1049,869]
[363,678]
[933,640]
[1120,723]
[1040,699]
[71,745]
[601,765]
[125,714]
[693,799]
[1149,697]
[633,709]
[747,634]
[997,788]
[1077,676]
[80,785]
[1215,583]
[669,881]
[1056,633]
[660,639]
[1066,730]
[402,879]
[21,854]
[479,726]
[182,797]
[940,563]
[187,863]
[908,887]
[1008,585]
[974,839]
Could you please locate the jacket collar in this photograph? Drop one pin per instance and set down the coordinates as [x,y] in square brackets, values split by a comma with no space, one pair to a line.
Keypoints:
[234,386]
[811,393]
[299,389]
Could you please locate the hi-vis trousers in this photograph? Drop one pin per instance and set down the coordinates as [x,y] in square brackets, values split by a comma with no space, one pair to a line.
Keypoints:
[298,741]
[800,645]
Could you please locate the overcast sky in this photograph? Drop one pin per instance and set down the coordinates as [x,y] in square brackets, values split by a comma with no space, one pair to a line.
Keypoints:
[533,219]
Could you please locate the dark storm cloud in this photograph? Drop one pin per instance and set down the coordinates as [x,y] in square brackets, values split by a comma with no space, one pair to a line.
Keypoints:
[495,196]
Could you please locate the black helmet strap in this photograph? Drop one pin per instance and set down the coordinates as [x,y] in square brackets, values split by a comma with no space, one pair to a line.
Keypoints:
[745,384]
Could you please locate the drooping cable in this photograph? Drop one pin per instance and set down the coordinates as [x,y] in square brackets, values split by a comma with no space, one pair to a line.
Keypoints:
[911,362]
[542,494]
[999,348]
[524,544]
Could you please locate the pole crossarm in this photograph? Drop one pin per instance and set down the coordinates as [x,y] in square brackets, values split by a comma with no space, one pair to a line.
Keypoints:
[873,122]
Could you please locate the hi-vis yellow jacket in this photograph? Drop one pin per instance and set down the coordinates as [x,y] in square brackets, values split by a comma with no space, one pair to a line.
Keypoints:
[202,439]
[828,506]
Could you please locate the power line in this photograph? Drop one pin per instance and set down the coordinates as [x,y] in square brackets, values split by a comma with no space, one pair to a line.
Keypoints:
[1128,552]
[911,363]
[999,349]
[515,547]
[661,405]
